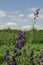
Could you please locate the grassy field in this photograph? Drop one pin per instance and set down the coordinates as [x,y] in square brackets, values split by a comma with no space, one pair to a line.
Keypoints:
[33,40]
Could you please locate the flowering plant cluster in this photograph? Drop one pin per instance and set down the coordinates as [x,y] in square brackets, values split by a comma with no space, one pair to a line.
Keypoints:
[32,57]
[19,44]
[36,13]
[20,40]
[40,61]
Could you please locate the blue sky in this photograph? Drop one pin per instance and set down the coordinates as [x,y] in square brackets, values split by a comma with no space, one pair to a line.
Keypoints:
[19,13]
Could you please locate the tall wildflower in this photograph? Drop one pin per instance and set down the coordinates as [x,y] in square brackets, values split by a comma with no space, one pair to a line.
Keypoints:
[32,57]
[20,39]
[19,44]
[6,57]
[36,13]
[40,59]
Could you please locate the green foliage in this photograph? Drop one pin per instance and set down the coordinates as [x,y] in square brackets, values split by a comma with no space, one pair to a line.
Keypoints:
[33,40]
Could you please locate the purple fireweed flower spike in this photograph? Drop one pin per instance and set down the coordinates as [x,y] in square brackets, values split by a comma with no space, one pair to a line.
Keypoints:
[20,46]
[18,54]
[41,55]
[7,56]
[39,62]
[13,58]
[21,37]
[36,13]
[7,52]
[32,53]
[38,9]
[17,39]
[22,43]
[19,33]
[32,57]
[17,45]
[15,63]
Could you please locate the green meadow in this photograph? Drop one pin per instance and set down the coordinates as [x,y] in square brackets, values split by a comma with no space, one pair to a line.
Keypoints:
[33,40]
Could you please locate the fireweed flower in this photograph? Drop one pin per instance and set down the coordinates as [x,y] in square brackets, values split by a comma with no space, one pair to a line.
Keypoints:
[20,46]
[39,62]
[14,63]
[21,39]
[32,57]
[7,52]
[17,38]
[17,45]
[41,55]
[6,57]
[19,32]
[18,54]
[32,53]
[21,35]
[13,58]
[36,13]
[22,42]
[40,58]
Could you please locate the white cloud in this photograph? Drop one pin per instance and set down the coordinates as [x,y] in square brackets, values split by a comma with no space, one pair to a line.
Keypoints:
[40,16]
[30,27]
[26,27]
[2,13]
[41,10]
[15,12]
[10,16]
[11,25]
[13,17]
[38,27]
[20,15]
[30,15]
[33,9]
